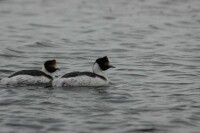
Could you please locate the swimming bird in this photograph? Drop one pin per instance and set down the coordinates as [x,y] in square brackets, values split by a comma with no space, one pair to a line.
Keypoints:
[32,77]
[95,78]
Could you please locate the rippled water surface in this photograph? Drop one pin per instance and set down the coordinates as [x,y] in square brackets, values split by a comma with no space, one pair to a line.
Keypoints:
[154,45]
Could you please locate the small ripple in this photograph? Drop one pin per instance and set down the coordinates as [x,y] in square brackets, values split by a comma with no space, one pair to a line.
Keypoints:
[184,75]
[21,36]
[12,53]
[186,22]
[154,27]
[119,98]
[41,44]
[47,103]
[44,26]
[146,129]
[50,120]
[109,18]
[171,71]
[170,83]
[7,102]
[28,14]
[32,126]
[195,117]
[182,122]
[170,25]
[88,31]
[5,71]
[15,50]
[136,75]
[86,42]
[120,50]
[56,128]
[182,24]
[5,12]
[132,45]
[11,56]
[102,128]
[163,63]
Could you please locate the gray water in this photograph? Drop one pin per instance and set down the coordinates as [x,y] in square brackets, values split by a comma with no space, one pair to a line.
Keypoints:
[154,45]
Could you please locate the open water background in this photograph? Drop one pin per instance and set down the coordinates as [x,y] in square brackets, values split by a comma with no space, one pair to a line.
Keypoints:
[154,45]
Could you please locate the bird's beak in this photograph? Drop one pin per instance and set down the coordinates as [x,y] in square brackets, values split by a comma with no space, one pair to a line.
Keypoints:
[57,69]
[111,66]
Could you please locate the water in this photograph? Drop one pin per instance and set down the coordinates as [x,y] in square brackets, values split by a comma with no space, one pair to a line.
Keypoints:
[154,45]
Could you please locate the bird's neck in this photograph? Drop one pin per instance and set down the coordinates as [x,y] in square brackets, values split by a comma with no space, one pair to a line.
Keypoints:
[46,72]
[97,70]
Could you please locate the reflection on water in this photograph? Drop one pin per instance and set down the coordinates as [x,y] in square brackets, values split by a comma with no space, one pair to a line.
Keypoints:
[154,45]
